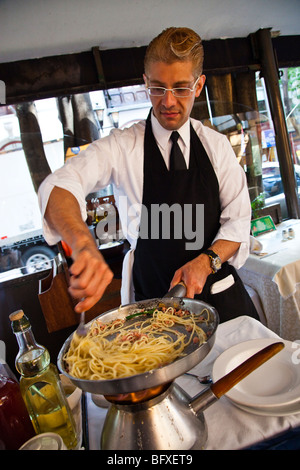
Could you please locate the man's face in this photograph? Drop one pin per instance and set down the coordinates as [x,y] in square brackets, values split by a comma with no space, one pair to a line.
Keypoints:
[170,111]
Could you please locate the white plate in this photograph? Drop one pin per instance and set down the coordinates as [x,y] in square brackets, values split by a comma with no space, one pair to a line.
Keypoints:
[284,410]
[275,384]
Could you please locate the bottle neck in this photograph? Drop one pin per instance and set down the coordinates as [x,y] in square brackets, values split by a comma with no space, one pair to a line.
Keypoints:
[26,340]
[32,358]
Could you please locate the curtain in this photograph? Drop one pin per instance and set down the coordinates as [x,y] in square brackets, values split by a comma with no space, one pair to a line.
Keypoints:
[78,120]
[32,143]
[233,97]
[232,92]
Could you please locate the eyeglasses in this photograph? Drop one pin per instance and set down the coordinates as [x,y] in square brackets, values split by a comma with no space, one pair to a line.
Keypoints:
[177,92]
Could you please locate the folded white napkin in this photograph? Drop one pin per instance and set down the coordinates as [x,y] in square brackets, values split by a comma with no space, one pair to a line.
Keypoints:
[222,285]
[255,245]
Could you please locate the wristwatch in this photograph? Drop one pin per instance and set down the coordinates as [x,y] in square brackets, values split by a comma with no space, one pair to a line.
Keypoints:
[215,260]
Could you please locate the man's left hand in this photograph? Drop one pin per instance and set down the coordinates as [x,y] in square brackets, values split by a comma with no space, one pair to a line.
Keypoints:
[194,275]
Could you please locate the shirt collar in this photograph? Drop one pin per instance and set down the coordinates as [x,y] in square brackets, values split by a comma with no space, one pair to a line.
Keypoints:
[162,135]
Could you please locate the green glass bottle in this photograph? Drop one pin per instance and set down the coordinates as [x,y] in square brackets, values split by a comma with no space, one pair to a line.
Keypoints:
[40,385]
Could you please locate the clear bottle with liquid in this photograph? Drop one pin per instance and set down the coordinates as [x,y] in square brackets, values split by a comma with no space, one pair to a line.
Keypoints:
[40,385]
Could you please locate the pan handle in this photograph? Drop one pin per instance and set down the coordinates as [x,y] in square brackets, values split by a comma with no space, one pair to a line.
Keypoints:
[211,394]
[177,291]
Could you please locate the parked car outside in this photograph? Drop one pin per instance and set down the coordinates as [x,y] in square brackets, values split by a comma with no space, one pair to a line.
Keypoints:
[273,187]
[272,182]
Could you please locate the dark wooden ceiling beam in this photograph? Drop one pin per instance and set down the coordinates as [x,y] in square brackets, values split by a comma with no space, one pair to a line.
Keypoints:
[61,75]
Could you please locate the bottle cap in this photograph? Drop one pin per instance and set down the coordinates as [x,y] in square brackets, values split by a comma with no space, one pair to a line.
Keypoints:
[19,321]
[17,315]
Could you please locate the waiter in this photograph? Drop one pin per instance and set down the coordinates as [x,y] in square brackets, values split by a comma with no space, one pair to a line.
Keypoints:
[169,160]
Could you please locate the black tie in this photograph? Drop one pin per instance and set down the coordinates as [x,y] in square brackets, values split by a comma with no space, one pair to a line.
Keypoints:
[177,161]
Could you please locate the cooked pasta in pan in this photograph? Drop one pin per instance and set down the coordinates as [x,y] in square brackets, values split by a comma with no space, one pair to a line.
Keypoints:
[121,349]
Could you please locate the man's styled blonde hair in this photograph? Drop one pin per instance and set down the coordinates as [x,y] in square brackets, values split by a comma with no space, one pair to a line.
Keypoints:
[176,44]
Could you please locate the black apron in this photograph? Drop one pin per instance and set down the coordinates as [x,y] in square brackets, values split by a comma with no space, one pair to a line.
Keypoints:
[157,258]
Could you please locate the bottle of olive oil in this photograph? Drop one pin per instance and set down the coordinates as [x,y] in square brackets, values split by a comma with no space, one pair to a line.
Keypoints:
[40,384]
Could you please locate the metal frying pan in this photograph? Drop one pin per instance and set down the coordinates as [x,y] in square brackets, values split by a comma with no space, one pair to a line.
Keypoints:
[194,352]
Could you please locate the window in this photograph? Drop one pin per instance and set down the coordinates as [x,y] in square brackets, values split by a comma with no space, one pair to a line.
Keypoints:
[290,93]
[251,134]
[23,249]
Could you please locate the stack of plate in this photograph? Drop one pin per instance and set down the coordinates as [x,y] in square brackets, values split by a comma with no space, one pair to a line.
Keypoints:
[274,388]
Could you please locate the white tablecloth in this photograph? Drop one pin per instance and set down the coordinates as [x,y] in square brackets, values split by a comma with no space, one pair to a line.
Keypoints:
[276,279]
[228,426]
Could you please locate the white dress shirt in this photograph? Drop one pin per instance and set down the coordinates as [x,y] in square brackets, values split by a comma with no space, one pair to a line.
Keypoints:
[118,160]
[162,137]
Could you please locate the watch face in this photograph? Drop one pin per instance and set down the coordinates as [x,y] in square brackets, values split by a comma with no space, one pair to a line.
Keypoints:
[217,263]
[215,260]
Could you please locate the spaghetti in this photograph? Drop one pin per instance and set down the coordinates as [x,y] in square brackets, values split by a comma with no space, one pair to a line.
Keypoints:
[116,349]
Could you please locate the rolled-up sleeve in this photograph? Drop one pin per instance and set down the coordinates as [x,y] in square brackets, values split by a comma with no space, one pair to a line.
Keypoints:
[85,173]
[58,179]
[116,159]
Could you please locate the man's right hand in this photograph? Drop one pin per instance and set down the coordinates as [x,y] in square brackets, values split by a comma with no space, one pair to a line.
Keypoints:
[90,276]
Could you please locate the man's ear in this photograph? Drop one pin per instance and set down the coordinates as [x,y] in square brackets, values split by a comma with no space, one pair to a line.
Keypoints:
[145,78]
[200,85]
